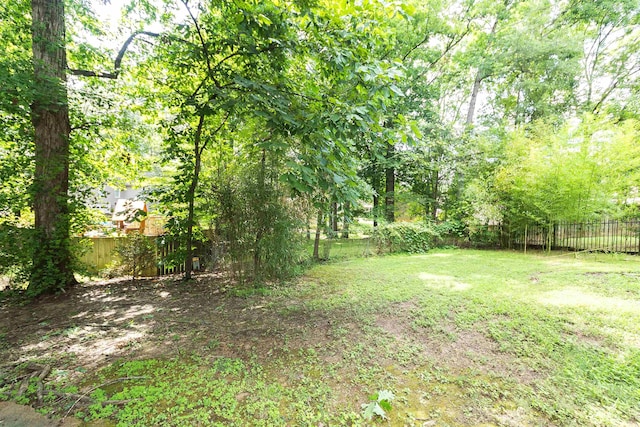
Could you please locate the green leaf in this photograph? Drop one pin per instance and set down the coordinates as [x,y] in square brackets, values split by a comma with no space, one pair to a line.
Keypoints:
[415,129]
[395,89]
[264,20]
[384,404]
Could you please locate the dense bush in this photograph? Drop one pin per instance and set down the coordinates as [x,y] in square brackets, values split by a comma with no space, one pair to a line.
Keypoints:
[255,229]
[485,236]
[404,237]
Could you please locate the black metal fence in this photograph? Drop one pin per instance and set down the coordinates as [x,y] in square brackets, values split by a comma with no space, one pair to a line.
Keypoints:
[600,236]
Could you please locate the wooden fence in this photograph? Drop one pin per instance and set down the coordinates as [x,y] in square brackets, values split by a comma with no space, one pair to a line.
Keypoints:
[166,248]
[601,236]
[98,253]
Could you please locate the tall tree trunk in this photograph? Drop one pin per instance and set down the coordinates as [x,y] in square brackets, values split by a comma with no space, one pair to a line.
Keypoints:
[316,242]
[474,98]
[434,195]
[480,76]
[376,207]
[52,259]
[261,219]
[334,217]
[390,185]
[346,219]
[375,185]
[191,196]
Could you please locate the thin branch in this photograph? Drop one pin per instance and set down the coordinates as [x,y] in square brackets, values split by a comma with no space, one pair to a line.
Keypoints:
[205,50]
[424,40]
[224,121]
[126,44]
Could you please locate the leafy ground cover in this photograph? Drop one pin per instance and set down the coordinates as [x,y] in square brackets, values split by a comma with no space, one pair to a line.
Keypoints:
[449,338]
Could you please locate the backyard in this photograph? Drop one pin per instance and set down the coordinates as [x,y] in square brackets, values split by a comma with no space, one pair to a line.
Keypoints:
[448,338]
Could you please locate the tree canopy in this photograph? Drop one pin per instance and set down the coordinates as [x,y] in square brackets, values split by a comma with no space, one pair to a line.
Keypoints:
[253,117]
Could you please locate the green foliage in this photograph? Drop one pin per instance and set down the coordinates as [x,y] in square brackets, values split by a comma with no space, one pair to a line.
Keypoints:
[183,392]
[259,227]
[136,253]
[379,405]
[15,253]
[562,173]
[404,237]
[330,88]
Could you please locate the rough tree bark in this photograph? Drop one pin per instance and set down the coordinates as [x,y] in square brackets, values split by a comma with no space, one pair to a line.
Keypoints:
[52,259]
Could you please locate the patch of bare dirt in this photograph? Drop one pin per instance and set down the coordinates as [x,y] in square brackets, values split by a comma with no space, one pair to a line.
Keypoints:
[459,349]
[97,322]
[93,324]
[14,415]
[397,320]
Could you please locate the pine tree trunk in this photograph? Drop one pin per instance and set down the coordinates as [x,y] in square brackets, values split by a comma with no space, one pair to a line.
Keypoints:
[52,260]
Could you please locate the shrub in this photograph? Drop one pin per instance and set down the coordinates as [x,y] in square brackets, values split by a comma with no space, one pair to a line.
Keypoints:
[135,254]
[404,237]
[256,226]
[15,254]
[485,236]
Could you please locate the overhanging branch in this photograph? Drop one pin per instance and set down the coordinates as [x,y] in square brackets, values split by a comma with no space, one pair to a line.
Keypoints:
[118,61]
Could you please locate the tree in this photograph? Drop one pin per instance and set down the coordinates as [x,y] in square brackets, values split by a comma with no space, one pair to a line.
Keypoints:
[52,260]
[556,173]
[610,65]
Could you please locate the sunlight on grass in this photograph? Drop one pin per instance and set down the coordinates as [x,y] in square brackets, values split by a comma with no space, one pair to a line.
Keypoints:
[575,297]
[569,320]
[447,282]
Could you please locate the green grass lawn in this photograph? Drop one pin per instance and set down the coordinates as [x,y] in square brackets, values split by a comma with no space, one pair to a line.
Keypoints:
[526,340]
[460,337]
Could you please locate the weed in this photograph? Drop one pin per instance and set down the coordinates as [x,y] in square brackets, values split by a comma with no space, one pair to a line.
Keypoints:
[379,405]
